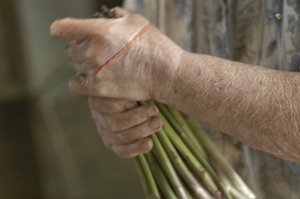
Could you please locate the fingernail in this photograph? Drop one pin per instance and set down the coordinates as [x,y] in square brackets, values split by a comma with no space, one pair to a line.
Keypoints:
[130,105]
[151,111]
[156,123]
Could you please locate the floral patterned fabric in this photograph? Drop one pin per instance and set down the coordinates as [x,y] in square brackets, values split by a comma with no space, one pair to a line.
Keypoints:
[257,32]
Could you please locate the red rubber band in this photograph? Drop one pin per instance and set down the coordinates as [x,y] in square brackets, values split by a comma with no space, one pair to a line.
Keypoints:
[122,50]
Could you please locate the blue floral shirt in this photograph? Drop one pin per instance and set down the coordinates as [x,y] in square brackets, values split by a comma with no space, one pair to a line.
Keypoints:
[257,32]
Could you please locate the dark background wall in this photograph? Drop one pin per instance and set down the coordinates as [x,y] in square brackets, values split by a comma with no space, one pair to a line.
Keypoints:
[49,147]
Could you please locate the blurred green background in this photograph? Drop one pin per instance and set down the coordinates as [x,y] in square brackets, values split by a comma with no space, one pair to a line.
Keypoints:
[49,146]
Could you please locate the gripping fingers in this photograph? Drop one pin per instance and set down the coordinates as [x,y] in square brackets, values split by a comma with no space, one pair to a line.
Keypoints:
[130,150]
[109,105]
[76,52]
[143,130]
[125,120]
[85,67]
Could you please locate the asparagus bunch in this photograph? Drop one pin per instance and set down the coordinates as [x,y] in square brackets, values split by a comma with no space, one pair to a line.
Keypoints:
[180,163]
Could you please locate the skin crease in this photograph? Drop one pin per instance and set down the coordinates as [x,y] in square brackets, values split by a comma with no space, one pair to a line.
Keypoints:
[260,107]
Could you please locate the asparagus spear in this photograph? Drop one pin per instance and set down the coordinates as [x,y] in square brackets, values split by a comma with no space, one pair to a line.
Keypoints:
[168,168]
[218,160]
[160,177]
[150,179]
[190,158]
[183,130]
[143,179]
[180,166]
[176,117]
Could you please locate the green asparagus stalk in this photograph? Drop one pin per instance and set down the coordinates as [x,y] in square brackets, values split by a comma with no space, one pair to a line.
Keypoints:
[160,177]
[233,191]
[149,176]
[184,131]
[179,164]
[143,178]
[168,168]
[218,160]
[190,158]
[181,136]
[179,119]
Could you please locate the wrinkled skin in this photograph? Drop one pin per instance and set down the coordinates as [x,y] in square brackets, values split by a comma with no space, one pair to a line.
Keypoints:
[123,126]
[95,41]
[259,106]
[123,131]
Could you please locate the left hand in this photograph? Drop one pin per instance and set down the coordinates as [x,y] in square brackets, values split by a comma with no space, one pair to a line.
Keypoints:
[124,127]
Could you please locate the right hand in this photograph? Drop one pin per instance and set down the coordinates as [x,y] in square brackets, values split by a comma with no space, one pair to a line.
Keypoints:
[124,126]
[145,70]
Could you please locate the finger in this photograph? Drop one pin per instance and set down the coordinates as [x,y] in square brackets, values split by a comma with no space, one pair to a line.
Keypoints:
[125,120]
[71,29]
[76,52]
[86,67]
[82,85]
[94,86]
[131,150]
[140,131]
[120,12]
[109,105]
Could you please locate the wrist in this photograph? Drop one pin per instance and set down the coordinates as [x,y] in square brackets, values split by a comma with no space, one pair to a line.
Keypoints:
[164,77]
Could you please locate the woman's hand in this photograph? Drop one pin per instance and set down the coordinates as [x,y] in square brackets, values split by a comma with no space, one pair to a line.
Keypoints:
[124,126]
[142,71]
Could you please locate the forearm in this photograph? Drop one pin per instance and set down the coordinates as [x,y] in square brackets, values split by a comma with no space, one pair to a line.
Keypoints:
[259,106]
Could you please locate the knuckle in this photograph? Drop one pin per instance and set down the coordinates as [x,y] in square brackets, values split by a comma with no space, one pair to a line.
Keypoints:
[91,53]
[148,111]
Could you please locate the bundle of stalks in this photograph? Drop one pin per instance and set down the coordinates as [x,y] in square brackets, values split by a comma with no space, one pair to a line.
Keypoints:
[185,164]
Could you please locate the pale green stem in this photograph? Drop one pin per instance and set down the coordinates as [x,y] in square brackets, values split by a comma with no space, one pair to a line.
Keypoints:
[218,160]
[150,179]
[168,168]
[143,178]
[178,118]
[160,177]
